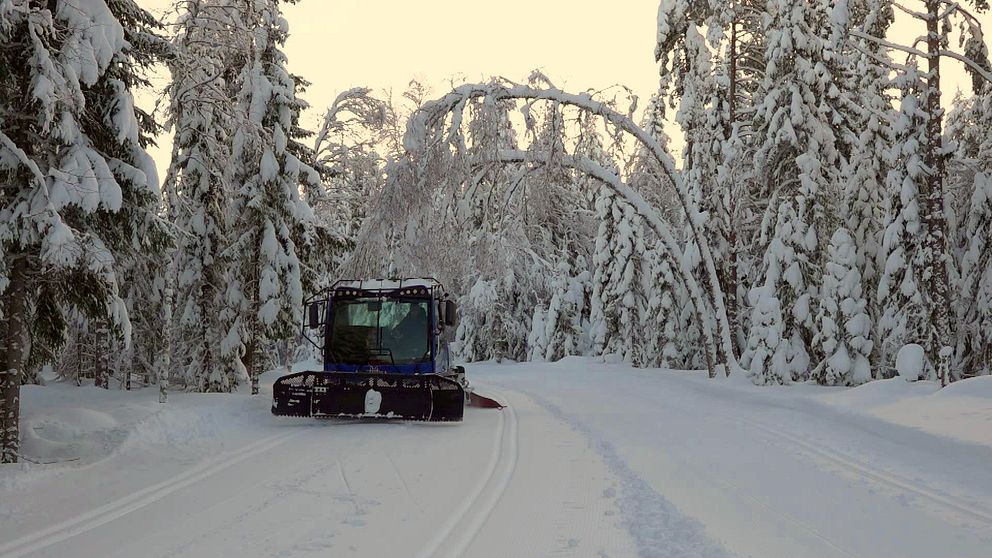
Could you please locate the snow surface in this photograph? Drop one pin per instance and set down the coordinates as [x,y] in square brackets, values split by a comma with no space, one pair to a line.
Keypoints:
[589,459]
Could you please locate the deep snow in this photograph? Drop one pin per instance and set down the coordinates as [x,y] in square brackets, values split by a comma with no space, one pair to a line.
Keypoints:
[590,459]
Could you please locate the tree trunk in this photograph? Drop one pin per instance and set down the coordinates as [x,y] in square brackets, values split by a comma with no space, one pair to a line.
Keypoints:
[938,294]
[15,308]
[251,360]
[101,376]
[165,357]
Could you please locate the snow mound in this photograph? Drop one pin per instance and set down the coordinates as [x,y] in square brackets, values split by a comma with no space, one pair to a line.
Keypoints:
[69,434]
[910,362]
[880,392]
[972,387]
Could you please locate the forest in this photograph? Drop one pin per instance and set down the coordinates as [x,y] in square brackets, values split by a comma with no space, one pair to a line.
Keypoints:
[825,212]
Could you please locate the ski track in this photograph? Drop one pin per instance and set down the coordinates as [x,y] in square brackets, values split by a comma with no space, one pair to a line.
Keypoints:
[867,472]
[137,500]
[871,473]
[460,529]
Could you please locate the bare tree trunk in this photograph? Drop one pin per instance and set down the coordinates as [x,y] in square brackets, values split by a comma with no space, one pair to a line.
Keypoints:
[15,308]
[939,340]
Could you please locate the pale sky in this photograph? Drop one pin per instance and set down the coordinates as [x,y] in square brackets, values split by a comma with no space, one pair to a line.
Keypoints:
[579,44]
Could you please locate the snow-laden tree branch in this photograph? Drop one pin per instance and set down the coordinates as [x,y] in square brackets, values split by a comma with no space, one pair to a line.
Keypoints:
[430,127]
[610,179]
[923,55]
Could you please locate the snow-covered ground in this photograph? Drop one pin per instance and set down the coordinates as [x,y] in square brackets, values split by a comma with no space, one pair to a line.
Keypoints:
[587,460]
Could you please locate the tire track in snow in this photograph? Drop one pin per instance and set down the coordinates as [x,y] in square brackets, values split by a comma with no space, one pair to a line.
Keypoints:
[137,500]
[458,532]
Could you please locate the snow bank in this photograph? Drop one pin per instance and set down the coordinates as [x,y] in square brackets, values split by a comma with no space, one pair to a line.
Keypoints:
[64,426]
[69,434]
[972,387]
[962,411]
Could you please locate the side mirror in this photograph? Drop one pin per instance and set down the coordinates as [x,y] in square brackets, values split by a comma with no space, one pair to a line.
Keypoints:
[449,313]
[314,314]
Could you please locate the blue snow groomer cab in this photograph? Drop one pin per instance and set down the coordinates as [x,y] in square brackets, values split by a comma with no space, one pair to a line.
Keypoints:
[385,355]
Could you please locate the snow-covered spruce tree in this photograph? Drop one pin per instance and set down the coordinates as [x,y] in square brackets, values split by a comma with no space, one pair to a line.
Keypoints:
[845,328]
[617,264]
[939,18]
[208,36]
[71,156]
[566,321]
[797,157]
[870,146]
[766,354]
[906,256]
[618,267]
[267,216]
[144,244]
[700,117]
[661,319]
[975,345]
[971,175]
[602,311]
[787,266]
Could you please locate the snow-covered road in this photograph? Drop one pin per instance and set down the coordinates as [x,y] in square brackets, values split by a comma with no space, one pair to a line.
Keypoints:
[587,460]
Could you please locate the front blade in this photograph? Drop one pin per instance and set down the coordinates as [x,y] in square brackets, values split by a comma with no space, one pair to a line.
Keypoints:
[424,397]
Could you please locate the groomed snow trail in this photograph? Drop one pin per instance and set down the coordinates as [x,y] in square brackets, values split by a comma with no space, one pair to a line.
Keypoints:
[299,487]
[588,459]
[768,471]
[106,513]
[462,526]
